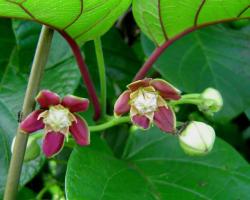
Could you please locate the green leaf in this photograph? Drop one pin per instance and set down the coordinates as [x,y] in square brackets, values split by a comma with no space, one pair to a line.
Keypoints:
[8,127]
[214,57]
[162,20]
[82,20]
[154,167]
[7,43]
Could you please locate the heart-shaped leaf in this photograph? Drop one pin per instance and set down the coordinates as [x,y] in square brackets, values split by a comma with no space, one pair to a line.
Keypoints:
[83,20]
[154,168]
[213,57]
[162,20]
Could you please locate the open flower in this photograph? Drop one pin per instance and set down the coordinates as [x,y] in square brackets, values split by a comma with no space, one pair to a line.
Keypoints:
[58,118]
[145,99]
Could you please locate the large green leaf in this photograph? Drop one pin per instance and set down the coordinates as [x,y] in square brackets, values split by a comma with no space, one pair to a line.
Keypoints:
[162,20]
[82,19]
[213,57]
[154,167]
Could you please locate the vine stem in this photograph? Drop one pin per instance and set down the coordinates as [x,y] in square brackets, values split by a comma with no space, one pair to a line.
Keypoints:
[159,50]
[102,73]
[39,62]
[85,73]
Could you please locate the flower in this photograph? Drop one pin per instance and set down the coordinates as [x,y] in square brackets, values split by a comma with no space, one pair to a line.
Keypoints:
[197,138]
[211,101]
[58,118]
[145,99]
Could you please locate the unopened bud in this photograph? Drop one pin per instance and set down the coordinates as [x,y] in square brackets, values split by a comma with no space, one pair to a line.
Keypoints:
[212,101]
[197,138]
[32,149]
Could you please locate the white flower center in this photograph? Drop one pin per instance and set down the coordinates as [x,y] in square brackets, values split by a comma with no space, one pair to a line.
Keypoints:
[57,118]
[145,102]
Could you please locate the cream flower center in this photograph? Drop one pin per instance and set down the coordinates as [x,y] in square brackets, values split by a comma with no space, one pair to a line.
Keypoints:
[145,101]
[57,118]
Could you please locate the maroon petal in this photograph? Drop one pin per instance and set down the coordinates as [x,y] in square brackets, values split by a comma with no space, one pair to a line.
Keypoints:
[122,103]
[80,132]
[47,98]
[141,120]
[75,104]
[31,124]
[164,118]
[140,83]
[53,143]
[167,91]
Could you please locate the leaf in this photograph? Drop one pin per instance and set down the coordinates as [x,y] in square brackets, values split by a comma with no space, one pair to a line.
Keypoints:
[8,127]
[154,167]
[7,43]
[162,20]
[82,20]
[214,57]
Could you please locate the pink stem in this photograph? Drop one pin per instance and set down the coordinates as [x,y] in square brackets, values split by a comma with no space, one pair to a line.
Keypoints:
[159,50]
[85,74]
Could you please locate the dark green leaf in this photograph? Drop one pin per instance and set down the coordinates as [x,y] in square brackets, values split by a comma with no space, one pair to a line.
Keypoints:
[154,167]
[214,57]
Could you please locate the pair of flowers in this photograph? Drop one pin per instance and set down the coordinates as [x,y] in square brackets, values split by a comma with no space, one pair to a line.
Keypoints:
[144,99]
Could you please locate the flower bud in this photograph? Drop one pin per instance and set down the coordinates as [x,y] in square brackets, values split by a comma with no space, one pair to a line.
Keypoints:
[197,138]
[212,101]
[32,149]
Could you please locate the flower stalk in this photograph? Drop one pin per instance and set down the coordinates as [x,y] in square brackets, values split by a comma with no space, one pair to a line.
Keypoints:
[102,73]
[37,70]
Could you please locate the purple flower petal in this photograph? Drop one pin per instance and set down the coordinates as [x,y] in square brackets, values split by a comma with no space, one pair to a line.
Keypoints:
[140,83]
[164,118]
[75,104]
[141,121]
[122,103]
[47,98]
[31,124]
[167,91]
[52,143]
[80,132]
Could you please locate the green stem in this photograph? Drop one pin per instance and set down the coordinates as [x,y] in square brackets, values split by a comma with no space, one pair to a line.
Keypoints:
[191,96]
[186,101]
[102,73]
[113,122]
[37,69]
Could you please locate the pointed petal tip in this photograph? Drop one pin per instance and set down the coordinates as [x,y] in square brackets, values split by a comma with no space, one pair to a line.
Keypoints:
[52,143]
[75,104]
[167,91]
[47,98]
[122,103]
[31,123]
[80,131]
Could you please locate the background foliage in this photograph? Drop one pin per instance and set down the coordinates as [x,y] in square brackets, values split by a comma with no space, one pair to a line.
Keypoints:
[124,163]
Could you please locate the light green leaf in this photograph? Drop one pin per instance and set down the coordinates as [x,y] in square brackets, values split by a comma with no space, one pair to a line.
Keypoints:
[213,57]
[155,168]
[83,20]
[162,20]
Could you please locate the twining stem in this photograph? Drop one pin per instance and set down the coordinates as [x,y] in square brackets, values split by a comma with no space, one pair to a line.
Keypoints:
[85,74]
[186,101]
[102,73]
[40,59]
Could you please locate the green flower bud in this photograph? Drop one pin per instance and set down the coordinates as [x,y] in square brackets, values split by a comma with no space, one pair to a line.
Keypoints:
[32,149]
[197,139]
[212,101]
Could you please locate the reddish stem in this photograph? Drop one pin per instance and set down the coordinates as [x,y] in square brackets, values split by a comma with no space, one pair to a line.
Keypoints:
[159,50]
[85,74]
